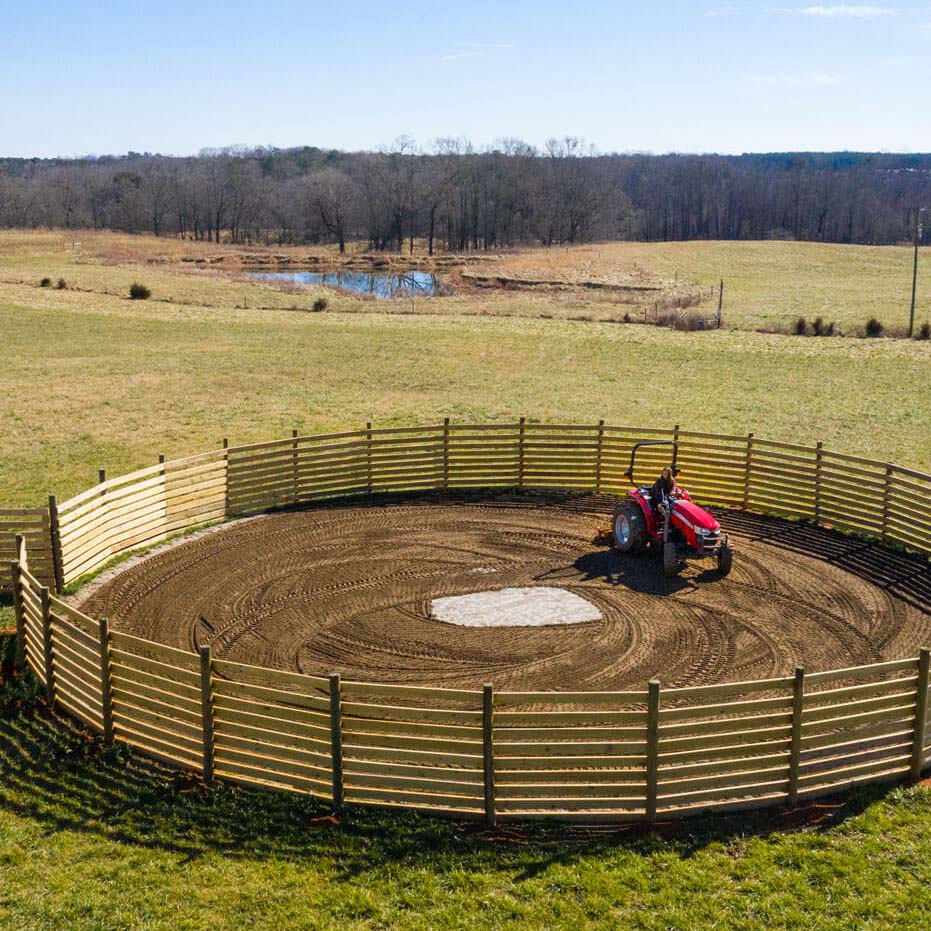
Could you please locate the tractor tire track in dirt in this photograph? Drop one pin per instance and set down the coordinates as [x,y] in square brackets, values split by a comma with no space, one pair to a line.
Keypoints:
[347,588]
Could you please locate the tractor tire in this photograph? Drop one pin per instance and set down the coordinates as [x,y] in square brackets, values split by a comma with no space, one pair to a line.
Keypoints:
[671,562]
[629,528]
[725,559]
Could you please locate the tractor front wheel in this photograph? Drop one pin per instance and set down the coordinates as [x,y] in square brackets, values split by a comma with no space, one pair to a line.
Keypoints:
[671,562]
[725,559]
[630,528]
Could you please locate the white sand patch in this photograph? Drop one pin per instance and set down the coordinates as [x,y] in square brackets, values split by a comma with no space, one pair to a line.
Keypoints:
[515,607]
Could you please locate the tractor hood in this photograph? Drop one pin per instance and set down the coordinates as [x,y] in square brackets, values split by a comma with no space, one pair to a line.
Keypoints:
[690,514]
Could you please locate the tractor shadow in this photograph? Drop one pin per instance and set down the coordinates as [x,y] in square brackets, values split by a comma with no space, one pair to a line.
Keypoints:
[642,573]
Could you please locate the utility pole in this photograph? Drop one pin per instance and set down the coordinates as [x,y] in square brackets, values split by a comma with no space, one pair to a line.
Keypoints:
[911,318]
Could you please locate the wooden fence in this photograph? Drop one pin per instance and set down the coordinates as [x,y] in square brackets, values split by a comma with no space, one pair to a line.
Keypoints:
[33,525]
[614,756]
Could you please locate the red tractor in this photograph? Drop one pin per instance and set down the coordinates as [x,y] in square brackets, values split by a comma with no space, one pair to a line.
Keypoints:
[675,524]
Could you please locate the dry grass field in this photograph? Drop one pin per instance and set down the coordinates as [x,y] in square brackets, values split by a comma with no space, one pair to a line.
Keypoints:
[768,285]
[95,380]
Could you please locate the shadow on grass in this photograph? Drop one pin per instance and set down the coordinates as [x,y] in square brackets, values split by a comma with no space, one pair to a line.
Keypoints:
[64,779]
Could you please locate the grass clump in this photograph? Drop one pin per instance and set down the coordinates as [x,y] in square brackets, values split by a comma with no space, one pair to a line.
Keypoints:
[924,331]
[45,283]
[320,305]
[62,285]
[801,326]
[139,292]
[821,328]
[874,328]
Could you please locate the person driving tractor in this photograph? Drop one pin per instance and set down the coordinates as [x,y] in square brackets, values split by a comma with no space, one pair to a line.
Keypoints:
[665,486]
[664,491]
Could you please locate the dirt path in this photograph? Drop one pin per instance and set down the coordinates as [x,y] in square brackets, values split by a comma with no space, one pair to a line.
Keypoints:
[348,589]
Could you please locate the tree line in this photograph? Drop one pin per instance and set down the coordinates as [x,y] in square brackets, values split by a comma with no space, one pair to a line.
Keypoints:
[455,197]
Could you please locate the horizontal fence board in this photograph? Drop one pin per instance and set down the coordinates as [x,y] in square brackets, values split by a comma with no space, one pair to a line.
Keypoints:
[274,717]
[449,784]
[156,742]
[134,677]
[543,777]
[165,670]
[279,760]
[187,710]
[452,801]
[264,697]
[262,777]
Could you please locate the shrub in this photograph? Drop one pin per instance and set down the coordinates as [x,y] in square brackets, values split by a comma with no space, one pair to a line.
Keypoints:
[45,283]
[139,292]
[801,326]
[829,329]
[320,305]
[627,317]
[62,284]
[874,328]
[924,331]
[821,328]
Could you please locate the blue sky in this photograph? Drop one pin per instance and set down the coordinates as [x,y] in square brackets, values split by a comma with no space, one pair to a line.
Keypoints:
[79,77]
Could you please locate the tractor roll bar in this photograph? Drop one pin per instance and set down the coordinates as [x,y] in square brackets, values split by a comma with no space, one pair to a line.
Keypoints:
[633,453]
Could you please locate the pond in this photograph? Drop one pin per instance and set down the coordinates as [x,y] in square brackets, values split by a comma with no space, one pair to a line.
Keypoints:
[383,285]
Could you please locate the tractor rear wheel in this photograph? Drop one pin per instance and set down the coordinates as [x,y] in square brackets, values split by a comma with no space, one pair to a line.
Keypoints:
[630,528]
[671,562]
[725,559]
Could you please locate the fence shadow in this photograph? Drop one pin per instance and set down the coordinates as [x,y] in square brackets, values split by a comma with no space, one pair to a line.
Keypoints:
[63,779]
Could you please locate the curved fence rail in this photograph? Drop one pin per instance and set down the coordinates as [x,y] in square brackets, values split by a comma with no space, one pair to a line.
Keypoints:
[480,753]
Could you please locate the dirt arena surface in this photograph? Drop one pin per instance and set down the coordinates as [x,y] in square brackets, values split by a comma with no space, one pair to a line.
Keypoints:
[348,588]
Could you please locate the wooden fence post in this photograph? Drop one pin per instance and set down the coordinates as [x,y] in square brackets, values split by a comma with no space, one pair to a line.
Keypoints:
[336,740]
[748,471]
[368,456]
[295,484]
[887,488]
[226,494]
[921,715]
[206,710]
[16,571]
[819,455]
[795,745]
[652,773]
[598,452]
[520,452]
[46,609]
[106,696]
[488,751]
[54,528]
[445,453]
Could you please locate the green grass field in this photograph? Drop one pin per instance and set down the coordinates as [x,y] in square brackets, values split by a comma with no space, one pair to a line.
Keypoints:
[93,839]
[94,380]
[97,839]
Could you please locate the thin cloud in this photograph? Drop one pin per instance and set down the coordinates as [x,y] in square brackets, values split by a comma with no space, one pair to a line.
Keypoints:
[485,45]
[798,80]
[459,56]
[843,10]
